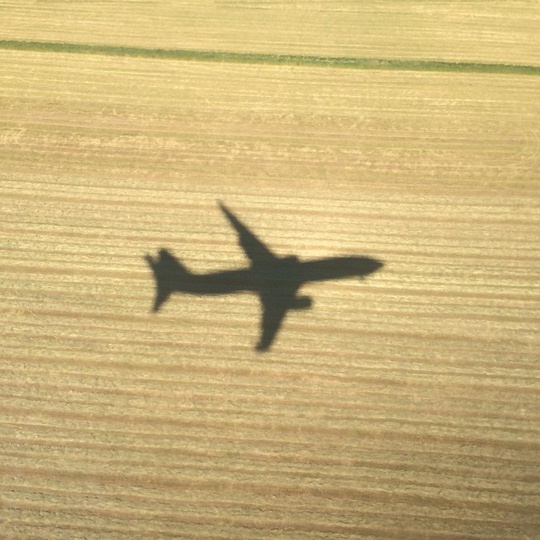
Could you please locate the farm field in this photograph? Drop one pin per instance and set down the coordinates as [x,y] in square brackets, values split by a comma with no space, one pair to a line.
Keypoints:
[503,32]
[403,405]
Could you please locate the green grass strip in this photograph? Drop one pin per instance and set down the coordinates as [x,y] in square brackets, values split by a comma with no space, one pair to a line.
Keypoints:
[270,59]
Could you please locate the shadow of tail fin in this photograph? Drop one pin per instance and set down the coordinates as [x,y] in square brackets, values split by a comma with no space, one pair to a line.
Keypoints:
[168,271]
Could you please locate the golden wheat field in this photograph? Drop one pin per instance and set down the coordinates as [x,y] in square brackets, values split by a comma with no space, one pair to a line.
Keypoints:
[404,405]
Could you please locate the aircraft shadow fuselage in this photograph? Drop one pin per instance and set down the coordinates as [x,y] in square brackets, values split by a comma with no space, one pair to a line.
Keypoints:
[276,280]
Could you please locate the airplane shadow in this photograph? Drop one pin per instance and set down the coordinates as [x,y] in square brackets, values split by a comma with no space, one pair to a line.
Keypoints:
[276,280]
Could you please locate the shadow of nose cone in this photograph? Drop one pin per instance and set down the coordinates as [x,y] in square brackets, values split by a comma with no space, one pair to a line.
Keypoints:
[376,265]
[367,265]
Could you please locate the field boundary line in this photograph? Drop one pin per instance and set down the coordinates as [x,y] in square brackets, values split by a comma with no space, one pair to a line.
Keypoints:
[270,59]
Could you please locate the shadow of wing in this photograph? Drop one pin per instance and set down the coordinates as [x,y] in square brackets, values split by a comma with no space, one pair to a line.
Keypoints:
[274,310]
[256,250]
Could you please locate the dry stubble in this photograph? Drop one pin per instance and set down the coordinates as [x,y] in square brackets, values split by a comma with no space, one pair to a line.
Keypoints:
[403,406]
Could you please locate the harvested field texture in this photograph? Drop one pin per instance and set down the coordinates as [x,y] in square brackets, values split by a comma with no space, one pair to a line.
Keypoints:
[404,405]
